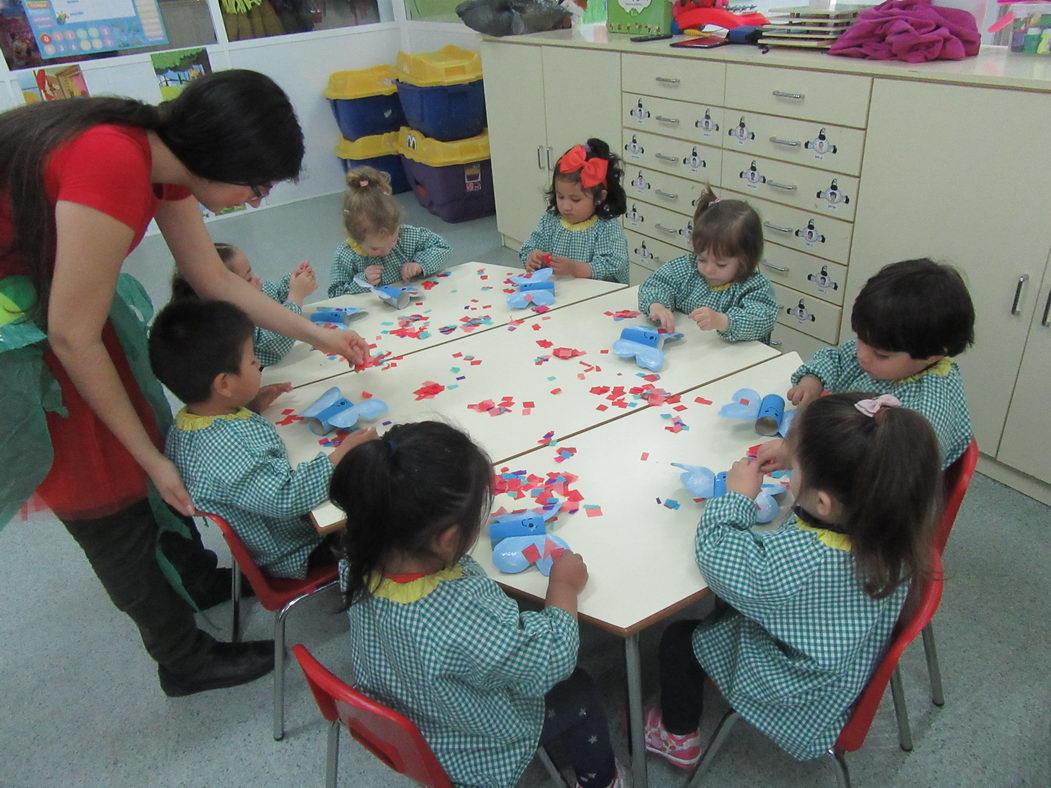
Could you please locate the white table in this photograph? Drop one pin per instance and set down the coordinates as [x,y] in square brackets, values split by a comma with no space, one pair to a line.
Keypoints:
[460,301]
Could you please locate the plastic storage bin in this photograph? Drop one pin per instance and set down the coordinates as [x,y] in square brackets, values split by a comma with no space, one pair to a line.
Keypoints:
[441,92]
[379,151]
[452,180]
[639,17]
[365,102]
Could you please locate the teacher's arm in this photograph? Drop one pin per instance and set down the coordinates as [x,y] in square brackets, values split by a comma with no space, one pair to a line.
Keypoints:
[89,251]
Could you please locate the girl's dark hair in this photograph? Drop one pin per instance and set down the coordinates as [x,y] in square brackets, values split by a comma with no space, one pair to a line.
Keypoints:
[918,307]
[181,288]
[233,126]
[403,490]
[885,473]
[615,202]
[728,228]
[368,204]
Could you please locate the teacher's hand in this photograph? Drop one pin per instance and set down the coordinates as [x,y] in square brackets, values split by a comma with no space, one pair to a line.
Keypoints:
[348,344]
[165,477]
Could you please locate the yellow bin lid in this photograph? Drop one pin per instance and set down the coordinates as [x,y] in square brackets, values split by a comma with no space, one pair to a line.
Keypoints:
[418,147]
[371,147]
[448,66]
[376,81]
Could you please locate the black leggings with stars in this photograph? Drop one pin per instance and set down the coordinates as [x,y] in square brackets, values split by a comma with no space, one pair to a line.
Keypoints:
[573,712]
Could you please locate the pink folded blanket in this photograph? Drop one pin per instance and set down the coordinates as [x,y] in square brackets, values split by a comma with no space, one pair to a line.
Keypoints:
[911,30]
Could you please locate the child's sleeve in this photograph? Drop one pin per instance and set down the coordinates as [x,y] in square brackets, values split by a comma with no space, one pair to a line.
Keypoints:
[430,250]
[345,266]
[829,365]
[754,313]
[537,239]
[662,286]
[277,289]
[270,347]
[610,263]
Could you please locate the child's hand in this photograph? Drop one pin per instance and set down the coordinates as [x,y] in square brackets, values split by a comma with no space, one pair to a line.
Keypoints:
[662,316]
[302,283]
[535,260]
[807,390]
[745,478]
[266,396]
[569,569]
[774,456]
[564,266]
[354,439]
[373,274]
[710,320]
[409,270]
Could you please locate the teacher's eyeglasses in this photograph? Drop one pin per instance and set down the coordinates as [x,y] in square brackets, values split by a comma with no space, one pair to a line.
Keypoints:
[259,192]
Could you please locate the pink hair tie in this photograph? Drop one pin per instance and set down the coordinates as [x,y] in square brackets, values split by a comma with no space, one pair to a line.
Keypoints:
[870,407]
[716,200]
[363,183]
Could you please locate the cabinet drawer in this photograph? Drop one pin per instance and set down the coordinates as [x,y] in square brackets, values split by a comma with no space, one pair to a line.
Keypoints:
[700,81]
[667,191]
[810,275]
[788,340]
[803,142]
[675,157]
[800,187]
[659,223]
[813,95]
[807,314]
[695,122]
[649,253]
[806,231]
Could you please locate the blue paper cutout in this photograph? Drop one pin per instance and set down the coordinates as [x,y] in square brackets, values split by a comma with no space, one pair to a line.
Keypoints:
[702,482]
[769,412]
[646,344]
[332,410]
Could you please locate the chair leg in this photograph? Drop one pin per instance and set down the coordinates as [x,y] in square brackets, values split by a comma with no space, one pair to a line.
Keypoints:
[930,649]
[900,711]
[721,732]
[235,597]
[839,763]
[279,672]
[332,754]
[552,770]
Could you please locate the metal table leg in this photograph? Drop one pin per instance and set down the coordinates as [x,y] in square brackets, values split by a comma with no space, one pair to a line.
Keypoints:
[636,729]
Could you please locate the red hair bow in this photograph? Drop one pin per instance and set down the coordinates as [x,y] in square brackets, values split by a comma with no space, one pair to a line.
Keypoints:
[592,171]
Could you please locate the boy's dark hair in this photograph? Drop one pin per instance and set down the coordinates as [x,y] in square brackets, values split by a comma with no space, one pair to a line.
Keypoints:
[615,203]
[918,307]
[403,490]
[885,471]
[194,341]
[728,228]
[181,288]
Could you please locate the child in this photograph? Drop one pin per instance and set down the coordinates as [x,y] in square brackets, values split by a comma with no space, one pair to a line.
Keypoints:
[378,245]
[434,638]
[579,229]
[231,459]
[911,319]
[719,286]
[290,290]
[810,606]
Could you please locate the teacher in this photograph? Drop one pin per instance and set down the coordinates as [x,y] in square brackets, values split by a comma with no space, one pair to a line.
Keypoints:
[83,417]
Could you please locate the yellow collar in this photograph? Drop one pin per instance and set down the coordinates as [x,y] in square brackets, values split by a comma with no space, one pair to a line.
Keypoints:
[941,368]
[828,538]
[576,228]
[414,590]
[719,288]
[354,246]
[184,420]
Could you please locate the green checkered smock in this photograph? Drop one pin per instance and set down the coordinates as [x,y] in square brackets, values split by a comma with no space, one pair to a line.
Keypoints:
[453,653]
[415,245]
[799,639]
[678,285]
[270,347]
[598,242]
[936,392]
[236,466]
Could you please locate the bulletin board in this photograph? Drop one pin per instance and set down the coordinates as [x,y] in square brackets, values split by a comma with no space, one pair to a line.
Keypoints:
[70,27]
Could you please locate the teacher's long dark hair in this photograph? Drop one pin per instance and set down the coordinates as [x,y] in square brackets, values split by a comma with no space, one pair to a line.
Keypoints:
[234,126]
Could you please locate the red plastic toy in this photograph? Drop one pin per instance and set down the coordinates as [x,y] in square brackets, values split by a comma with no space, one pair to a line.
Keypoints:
[698,13]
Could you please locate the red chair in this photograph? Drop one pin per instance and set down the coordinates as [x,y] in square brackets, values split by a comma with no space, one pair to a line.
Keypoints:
[391,737]
[277,594]
[854,732]
[956,480]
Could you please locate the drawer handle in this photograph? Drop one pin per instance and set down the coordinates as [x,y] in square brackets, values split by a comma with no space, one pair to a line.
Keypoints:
[782,268]
[668,80]
[1047,310]
[666,157]
[788,187]
[539,163]
[667,195]
[789,143]
[664,119]
[667,230]
[777,227]
[783,94]
[775,343]
[1018,293]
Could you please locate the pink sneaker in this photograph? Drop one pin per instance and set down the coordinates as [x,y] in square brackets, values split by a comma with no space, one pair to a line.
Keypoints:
[683,751]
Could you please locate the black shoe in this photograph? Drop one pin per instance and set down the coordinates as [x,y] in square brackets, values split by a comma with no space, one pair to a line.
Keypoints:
[227,665]
[218,590]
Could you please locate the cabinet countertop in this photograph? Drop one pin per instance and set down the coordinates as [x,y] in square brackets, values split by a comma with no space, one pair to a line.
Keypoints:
[993,67]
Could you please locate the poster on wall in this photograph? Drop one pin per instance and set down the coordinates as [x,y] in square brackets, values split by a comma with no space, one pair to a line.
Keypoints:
[177,68]
[52,84]
[70,27]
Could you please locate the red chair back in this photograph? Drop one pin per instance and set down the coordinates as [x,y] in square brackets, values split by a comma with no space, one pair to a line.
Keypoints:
[956,480]
[922,611]
[273,592]
[389,736]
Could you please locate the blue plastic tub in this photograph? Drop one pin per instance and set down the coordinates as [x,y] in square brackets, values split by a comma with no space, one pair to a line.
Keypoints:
[444,112]
[379,151]
[363,117]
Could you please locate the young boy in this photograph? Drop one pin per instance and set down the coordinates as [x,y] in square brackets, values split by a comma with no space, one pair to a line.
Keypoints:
[231,459]
[911,319]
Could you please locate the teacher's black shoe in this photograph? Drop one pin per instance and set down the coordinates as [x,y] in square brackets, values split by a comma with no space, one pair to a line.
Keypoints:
[227,665]
[218,590]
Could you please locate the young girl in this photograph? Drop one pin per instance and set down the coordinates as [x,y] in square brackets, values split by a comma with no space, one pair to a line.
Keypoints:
[719,286]
[290,290]
[434,638]
[810,606]
[378,245]
[579,234]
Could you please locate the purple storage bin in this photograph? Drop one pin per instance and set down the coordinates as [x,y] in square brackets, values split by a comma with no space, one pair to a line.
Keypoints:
[456,192]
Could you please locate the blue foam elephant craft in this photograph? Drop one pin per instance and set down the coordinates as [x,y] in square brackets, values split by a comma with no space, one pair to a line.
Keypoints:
[535,289]
[397,297]
[519,540]
[645,344]
[769,412]
[702,482]
[332,410]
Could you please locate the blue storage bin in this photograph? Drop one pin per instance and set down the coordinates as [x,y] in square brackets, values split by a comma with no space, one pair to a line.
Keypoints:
[444,112]
[379,151]
[365,102]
